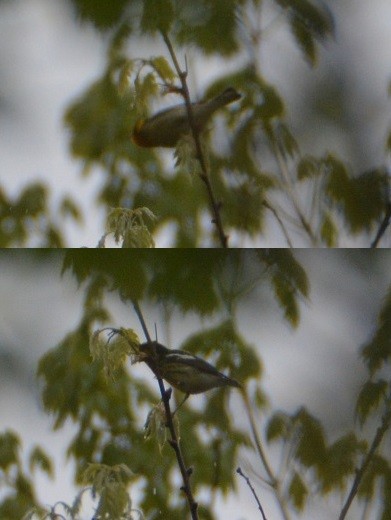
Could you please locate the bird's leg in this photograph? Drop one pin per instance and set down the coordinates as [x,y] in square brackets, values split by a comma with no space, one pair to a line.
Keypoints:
[180,404]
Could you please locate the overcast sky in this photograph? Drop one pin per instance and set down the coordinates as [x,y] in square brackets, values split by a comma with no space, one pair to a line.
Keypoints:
[316,364]
[47,60]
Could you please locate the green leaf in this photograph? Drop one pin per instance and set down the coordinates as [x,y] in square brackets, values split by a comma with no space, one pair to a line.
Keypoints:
[226,348]
[243,209]
[361,199]
[267,104]
[110,485]
[311,447]
[242,158]
[289,281]
[70,208]
[157,15]
[9,447]
[163,68]
[370,397]
[307,168]
[278,427]
[124,76]
[212,26]
[376,470]
[99,122]
[38,458]
[33,200]
[190,284]
[101,13]
[340,462]
[123,269]
[377,352]
[304,39]
[307,23]
[298,491]
[129,227]
[286,142]
[328,230]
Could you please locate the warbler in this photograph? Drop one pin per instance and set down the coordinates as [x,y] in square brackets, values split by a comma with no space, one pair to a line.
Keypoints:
[182,370]
[167,126]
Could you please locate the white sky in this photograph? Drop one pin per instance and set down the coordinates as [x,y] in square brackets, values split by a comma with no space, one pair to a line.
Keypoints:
[47,60]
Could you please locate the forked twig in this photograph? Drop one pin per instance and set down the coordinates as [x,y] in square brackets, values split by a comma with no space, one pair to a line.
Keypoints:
[239,470]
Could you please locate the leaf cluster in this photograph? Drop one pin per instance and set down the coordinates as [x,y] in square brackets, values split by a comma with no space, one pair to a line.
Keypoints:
[210,26]
[27,219]
[202,282]
[110,433]
[374,402]
[106,411]
[18,490]
[316,197]
[314,462]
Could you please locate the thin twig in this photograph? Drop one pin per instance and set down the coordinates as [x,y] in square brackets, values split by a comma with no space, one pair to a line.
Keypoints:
[239,470]
[174,442]
[383,226]
[272,480]
[274,211]
[291,190]
[381,431]
[140,316]
[204,175]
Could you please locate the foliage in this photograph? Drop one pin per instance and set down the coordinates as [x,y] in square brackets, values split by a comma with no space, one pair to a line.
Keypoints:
[257,171]
[334,465]
[28,215]
[109,431]
[18,494]
[321,196]
[86,379]
[129,227]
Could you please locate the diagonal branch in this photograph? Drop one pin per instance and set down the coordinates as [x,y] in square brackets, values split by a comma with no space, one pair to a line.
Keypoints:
[279,220]
[290,187]
[215,206]
[381,431]
[239,470]
[383,226]
[174,441]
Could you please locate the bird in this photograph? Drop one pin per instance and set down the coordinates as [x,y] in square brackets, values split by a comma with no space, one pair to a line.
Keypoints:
[165,128]
[188,373]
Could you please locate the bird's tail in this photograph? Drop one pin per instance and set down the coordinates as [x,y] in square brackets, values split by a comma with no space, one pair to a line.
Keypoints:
[228,96]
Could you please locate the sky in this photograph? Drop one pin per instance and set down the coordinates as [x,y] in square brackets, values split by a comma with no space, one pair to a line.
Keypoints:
[47,59]
[317,364]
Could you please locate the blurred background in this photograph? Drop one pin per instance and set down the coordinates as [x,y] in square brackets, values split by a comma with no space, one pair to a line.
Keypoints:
[316,365]
[47,59]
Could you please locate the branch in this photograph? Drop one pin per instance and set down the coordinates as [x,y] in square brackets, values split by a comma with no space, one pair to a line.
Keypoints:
[273,481]
[140,316]
[386,422]
[204,175]
[383,226]
[291,191]
[274,211]
[239,470]
[174,442]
